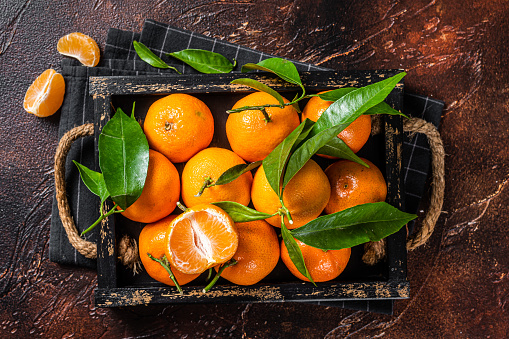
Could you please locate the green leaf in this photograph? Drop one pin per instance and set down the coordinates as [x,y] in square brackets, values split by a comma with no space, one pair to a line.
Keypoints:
[236,171]
[336,93]
[204,61]
[295,253]
[383,108]
[259,86]
[337,148]
[353,226]
[150,58]
[274,164]
[302,154]
[350,106]
[94,181]
[284,69]
[241,213]
[123,158]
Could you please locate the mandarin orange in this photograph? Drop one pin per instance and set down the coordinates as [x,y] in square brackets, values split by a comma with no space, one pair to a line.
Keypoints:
[305,196]
[250,135]
[353,184]
[160,193]
[179,126]
[322,265]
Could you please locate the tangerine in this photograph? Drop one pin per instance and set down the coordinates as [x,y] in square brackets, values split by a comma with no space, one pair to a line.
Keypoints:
[257,254]
[322,265]
[179,126]
[305,196]
[353,184]
[202,237]
[46,94]
[250,135]
[152,240]
[210,164]
[160,193]
[80,46]
[355,135]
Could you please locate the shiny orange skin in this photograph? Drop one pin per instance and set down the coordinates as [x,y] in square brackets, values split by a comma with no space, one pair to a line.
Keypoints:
[355,135]
[257,254]
[305,196]
[322,265]
[160,193]
[179,126]
[353,184]
[45,95]
[212,162]
[152,240]
[250,136]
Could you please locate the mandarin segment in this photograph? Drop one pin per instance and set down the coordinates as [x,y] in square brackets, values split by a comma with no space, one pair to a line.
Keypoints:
[305,196]
[160,193]
[353,184]
[152,240]
[355,135]
[201,237]
[80,46]
[322,265]
[253,138]
[257,254]
[45,95]
[211,163]
[179,126]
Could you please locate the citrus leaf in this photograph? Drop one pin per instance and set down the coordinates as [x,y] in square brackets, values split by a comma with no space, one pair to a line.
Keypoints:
[123,158]
[241,213]
[204,61]
[305,151]
[383,108]
[350,106]
[338,148]
[274,164]
[94,181]
[259,86]
[295,253]
[336,93]
[284,69]
[353,226]
[236,171]
[150,58]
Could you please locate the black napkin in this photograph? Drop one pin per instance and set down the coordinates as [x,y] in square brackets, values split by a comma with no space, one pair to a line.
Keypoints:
[119,58]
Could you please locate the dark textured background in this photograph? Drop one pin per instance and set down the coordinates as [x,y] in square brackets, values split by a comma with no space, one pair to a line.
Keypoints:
[453,51]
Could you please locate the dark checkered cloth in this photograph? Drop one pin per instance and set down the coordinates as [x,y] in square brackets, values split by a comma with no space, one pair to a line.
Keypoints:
[120,58]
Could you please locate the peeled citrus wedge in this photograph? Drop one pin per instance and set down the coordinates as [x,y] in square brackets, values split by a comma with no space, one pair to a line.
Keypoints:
[201,237]
[46,94]
[80,46]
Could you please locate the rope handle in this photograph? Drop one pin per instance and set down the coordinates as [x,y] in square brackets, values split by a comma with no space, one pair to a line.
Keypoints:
[127,247]
[374,251]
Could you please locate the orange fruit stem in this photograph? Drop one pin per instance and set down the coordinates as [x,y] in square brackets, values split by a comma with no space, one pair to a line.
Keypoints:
[227,264]
[166,265]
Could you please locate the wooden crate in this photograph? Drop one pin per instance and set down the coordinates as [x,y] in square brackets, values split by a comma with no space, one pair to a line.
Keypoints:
[387,280]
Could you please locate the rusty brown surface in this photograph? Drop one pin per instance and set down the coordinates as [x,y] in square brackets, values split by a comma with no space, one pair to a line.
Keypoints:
[453,50]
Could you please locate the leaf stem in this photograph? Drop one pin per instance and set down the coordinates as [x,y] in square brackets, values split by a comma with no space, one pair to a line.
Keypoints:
[181,206]
[207,182]
[166,265]
[229,263]
[103,216]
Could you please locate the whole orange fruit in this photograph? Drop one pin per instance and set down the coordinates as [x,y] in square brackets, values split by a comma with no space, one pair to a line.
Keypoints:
[305,195]
[257,254]
[211,163]
[250,135]
[322,265]
[202,237]
[152,240]
[160,193]
[353,184]
[45,95]
[355,135]
[179,126]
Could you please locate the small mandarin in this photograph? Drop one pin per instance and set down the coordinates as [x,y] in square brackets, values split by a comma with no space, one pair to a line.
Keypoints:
[353,184]
[152,240]
[322,265]
[179,126]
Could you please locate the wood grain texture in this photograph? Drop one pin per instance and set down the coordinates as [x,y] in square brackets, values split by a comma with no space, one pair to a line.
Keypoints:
[453,50]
